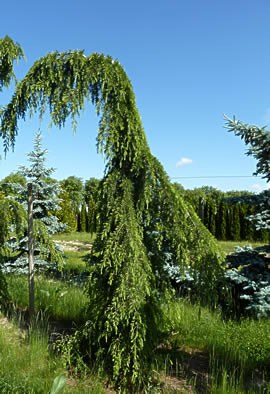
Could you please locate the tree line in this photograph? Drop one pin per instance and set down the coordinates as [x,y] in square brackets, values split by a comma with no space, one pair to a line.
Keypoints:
[227,215]
[77,206]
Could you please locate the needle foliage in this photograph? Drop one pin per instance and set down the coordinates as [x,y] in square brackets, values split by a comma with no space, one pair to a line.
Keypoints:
[142,221]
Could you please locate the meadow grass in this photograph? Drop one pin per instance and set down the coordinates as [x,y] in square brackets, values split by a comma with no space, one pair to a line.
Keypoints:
[27,366]
[60,300]
[229,246]
[239,351]
[74,236]
[75,261]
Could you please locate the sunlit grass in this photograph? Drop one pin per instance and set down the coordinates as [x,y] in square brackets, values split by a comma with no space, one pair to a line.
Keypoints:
[74,236]
[238,350]
[27,366]
[58,299]
[229,246]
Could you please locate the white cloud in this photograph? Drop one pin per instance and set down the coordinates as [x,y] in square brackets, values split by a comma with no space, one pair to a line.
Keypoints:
[258,187]
[184,161]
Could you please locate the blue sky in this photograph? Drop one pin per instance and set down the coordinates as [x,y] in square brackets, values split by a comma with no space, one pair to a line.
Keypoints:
[189,62]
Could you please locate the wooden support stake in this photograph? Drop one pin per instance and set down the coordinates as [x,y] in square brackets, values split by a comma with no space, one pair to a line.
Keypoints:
[31,267]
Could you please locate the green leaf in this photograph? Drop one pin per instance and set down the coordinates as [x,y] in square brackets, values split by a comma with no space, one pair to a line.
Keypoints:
[59,384]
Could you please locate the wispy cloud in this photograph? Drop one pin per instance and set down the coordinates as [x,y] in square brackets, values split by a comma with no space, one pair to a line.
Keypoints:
[184,161]
[258,187]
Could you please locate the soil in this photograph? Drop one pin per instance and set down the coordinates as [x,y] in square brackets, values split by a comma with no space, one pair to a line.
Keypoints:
[75,246]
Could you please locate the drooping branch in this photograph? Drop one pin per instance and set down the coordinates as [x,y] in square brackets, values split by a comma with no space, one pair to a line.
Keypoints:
[62,83]
[9,53]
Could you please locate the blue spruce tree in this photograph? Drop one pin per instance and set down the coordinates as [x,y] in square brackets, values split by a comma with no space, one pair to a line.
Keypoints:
[45,190]
[45,203]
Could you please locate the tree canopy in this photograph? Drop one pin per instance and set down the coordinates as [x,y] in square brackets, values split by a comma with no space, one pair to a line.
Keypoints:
[143,223]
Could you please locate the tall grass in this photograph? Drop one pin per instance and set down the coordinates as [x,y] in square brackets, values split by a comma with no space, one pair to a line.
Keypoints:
[238,350]
[28,367]
[60,300]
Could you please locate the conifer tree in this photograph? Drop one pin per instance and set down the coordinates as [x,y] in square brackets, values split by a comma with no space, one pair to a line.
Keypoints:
[45,203]
[142,224]
[45,191]
[91,199]
[65,213]
[75,190]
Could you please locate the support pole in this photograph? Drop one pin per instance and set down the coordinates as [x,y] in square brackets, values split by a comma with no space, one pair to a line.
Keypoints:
[31,268]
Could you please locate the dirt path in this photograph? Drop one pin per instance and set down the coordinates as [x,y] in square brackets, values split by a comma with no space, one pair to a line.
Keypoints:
[75,246]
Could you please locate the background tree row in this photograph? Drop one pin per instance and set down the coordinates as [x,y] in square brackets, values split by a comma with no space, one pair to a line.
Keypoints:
[226,214]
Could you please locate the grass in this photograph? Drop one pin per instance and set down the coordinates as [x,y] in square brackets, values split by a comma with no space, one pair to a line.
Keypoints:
[75,261]
[238,351]
[235,355]
[28,367]
[60,300]
[74,236]
[229,246]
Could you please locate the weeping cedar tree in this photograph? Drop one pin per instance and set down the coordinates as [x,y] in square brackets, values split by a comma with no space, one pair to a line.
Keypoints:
[45,203]
[143,223]
[10,211]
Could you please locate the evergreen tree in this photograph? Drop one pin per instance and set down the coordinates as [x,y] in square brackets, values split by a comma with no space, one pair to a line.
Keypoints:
[9,52]
[65,213]
[75,190]
[45,193]
[235,223]
[143,225]
[82,218]
[258,140]
[91,198]
[221,221]
[45,203]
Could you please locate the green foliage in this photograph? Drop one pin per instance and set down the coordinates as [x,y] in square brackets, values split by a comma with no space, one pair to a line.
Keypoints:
[59,300]
[45,190]
[91,199]
[7,183]
[59,384]
[65,213]
[45,203]
[142,220]
[9,52]
[258,140]
[12,220]
[248,278]
[74,189]
[230,215]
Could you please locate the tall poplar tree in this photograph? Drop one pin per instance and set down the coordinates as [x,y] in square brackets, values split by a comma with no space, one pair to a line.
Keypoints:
[142,220]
